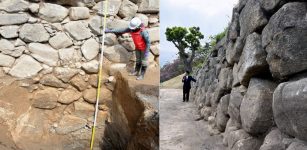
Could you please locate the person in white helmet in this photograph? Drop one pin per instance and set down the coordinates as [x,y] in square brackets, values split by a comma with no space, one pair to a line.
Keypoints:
[141,41]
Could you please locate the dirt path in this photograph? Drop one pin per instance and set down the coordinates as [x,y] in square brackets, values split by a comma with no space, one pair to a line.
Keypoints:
[178,128]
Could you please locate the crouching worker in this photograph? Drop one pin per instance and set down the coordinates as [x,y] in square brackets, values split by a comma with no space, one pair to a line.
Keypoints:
[141,41]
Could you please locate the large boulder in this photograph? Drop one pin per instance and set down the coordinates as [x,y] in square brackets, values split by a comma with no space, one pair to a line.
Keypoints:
[90,49]
[65,74]
[290,108]
[33,33]
[117,24]
[271,5]
[110,39]
[252,61]
[234,51]
[68,96]
[45,99]
[9,31]
[256,107]
[6,61]
[91,66]
[12,6]
[25,67]
[78,13]
[284,39]
[273,141]
[52,81]
[95,24]
[79,83]
[252,18]
[6,45]
[225,79]
[78,30]
[44,53]
[297,146]
[240,140]
[222,113]
[60,40]
[113,7]
[69,55]
[117,54]
[236,97]
[90,95]
[149,6]
[234,27]
[52,12]
[127,9]
[11,19]
[230,126]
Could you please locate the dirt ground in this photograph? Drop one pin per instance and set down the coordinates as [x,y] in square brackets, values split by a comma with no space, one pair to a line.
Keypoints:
[178,128]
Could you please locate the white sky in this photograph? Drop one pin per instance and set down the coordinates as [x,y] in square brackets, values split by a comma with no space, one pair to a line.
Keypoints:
[212,16]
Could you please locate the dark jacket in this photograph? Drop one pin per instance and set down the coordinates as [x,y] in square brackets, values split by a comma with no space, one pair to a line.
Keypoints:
[187,82]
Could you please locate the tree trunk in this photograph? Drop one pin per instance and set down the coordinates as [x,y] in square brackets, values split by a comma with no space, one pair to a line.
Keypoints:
[187,64]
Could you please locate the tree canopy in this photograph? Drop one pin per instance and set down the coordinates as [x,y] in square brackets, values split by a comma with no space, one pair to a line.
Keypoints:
[187,41]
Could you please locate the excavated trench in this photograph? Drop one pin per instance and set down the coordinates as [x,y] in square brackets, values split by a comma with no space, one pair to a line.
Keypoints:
[134,116]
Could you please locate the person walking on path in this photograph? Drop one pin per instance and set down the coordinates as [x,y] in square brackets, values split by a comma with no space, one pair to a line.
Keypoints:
[187,86]
[141,41]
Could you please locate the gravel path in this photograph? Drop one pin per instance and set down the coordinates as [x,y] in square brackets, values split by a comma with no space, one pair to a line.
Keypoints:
[178,128]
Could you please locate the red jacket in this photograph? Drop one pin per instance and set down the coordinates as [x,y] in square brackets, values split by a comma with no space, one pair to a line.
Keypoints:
[138,40]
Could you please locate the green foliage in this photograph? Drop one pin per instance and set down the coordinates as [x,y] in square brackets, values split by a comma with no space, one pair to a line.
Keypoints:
[216,38]
[187,41]
[205,50]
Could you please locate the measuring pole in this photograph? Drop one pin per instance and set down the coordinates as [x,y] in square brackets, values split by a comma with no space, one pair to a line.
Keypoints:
[104,23]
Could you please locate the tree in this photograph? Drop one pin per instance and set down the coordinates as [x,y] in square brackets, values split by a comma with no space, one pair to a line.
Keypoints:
[187,41]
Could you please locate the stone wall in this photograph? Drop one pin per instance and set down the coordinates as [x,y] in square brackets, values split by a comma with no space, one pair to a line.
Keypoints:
[253,87]
[49,65]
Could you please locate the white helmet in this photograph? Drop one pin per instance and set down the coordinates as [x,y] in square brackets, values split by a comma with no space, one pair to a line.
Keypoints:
[135,23]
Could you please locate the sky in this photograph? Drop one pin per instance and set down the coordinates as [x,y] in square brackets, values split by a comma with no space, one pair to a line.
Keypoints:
[212,16]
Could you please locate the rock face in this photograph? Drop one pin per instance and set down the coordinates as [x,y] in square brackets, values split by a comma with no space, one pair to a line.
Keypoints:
[12,6]
[90,49]
[25,67]
[288,24]
[289,108]
[261,66]
[45,99]
[44,53]
[52,12]
[252,61]
[11,19]
[78,30]
[252,18]
[117,54]
[113,6]
[274,140]
[79,13]
[9,31]
[148,6]
[33,33]
[69,96]
[60,40]
[256,108]
[127,9]
[6,61]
